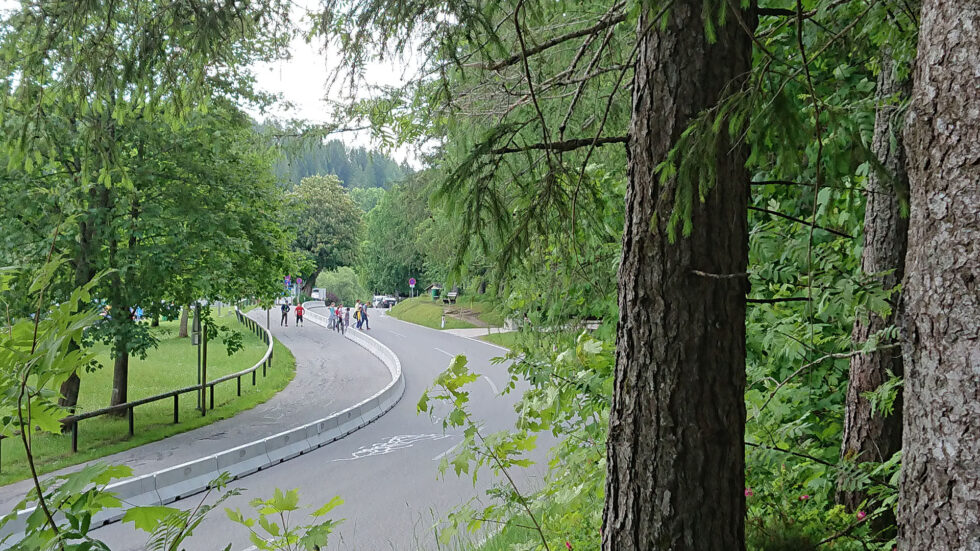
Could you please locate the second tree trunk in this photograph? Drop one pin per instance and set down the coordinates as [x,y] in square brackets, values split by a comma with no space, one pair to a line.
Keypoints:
[675,471]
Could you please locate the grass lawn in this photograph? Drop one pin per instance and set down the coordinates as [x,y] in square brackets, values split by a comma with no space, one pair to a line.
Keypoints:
[423,311]
[484,309]
[507,340]
[172,365]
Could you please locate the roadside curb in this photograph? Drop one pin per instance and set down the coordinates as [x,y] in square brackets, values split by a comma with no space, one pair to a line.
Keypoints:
[180,481]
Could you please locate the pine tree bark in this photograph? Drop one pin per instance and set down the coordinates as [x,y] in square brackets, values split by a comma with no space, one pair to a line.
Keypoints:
[939,493]
[867,435]
[675,455]
[182,331]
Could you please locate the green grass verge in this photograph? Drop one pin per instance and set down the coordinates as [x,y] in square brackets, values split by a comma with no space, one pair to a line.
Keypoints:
[423,311]
[507,340]
[172,365]
[484,307]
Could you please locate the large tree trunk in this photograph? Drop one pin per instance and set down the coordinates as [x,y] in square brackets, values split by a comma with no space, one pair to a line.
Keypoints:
[85,269]
[84,272]
[675,475]
[120,374]
[867,435]
[309,283]
[182,332]
[939,493]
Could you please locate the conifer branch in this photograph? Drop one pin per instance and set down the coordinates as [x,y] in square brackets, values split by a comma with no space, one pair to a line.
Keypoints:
[776,300]
[566,145]
[801,221]
[613,17]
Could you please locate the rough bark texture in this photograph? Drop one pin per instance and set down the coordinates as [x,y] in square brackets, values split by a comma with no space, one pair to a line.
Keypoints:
[675,475]
[182,332]
[120,375]
[867,435]
[84,273]
[939,495]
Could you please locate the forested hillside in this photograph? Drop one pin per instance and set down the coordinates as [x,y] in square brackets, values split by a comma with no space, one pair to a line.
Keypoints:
[357,167]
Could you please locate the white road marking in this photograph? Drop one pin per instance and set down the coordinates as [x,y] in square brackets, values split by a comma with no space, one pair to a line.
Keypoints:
[445,453]
[446,353]
[481,341]
[492,386]
[394,443]
[397,333]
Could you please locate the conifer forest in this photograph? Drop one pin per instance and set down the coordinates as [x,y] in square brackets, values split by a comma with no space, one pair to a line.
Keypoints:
[735,245]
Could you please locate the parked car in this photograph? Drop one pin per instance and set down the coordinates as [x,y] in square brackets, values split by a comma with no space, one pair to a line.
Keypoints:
[389,301]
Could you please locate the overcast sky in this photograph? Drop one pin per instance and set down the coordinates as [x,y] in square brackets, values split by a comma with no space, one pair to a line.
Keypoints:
[302,81]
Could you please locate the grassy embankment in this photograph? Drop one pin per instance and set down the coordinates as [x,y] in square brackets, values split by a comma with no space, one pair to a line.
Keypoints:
[468,312]
[172,365]
[423,311]
[507,340]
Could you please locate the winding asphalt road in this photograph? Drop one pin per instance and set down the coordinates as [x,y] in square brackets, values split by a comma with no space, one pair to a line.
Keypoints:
[321,387]
[387,471]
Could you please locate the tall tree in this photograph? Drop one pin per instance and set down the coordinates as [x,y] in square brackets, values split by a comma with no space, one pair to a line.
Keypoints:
[74,74]
[870,436]
[675,475]
[939,507]
[327,223]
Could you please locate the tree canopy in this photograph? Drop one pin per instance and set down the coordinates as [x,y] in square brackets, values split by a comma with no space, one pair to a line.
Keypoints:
[327,225]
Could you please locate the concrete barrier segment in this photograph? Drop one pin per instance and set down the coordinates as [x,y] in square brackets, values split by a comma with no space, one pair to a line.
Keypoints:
[186,480]
[244,460]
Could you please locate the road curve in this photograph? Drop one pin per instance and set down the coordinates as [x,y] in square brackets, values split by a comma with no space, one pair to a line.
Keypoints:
[387,471]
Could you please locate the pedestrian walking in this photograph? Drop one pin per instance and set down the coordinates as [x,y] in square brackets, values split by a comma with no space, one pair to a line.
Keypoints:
[299,315]
[364,317]
[340,319]
[347,317]
[285,315]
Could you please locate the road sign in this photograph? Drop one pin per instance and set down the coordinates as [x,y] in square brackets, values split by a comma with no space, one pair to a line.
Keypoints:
[411,282]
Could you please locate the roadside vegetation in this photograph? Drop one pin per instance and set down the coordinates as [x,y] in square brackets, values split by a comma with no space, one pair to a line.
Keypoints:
[423,311]
[171,365]
[467,313]
[746,235]
[507,340]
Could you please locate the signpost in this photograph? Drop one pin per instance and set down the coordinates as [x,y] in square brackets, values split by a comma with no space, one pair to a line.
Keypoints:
[411,283]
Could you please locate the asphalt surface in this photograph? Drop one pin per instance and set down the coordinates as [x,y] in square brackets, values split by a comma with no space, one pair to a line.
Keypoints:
[386,472]
[332,373]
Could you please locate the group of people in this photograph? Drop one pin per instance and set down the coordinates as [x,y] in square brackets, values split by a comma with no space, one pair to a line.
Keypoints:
[338,318]
[284,322]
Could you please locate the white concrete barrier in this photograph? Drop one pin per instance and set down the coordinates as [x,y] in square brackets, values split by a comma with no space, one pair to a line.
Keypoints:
[180,481]
[287,445]
[243,460]
[185,480]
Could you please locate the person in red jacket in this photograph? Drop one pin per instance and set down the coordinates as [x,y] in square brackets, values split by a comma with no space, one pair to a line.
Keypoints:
[299,315]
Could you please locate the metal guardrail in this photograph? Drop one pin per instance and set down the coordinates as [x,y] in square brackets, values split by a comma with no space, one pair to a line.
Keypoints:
[130,407]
